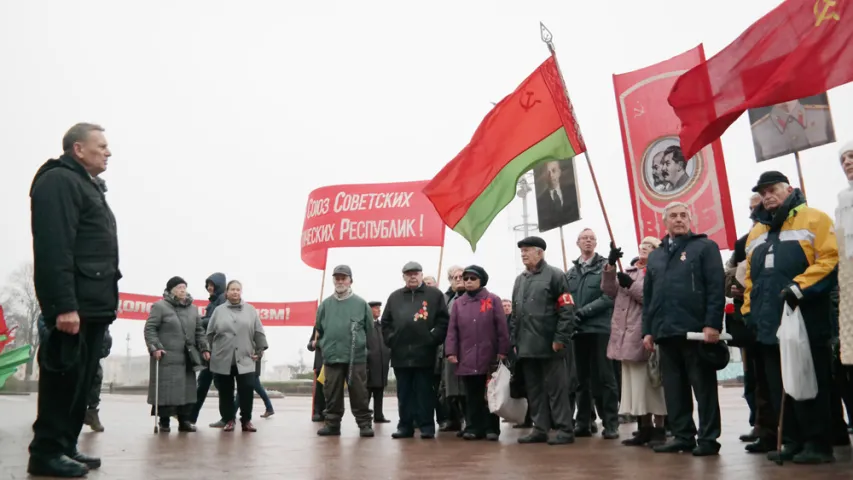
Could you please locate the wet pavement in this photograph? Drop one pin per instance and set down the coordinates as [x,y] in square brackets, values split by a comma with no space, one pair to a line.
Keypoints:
[286,446]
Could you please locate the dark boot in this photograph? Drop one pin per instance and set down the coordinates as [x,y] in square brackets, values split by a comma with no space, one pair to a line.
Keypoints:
[610,434]
[92,463]
[365,431]
[762,445]
[318,418]
[329,431]
[93,420]
[706,449]
[164,425]
[59,466]
[584,432]
[450,427]
[752,436]
[186,427]
[658,437]
[786,455]
[675,446]
[811,455]
[248,426]
[403,434]
[562,439]
[643,437]
[534,437]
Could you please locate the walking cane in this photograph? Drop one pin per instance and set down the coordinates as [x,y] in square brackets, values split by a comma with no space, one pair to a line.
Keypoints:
[157,397]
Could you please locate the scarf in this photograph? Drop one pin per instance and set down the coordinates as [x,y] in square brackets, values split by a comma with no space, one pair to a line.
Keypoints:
[844,218]
[343,296]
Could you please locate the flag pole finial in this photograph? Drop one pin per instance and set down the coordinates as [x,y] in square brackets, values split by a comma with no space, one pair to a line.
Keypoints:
[545,33]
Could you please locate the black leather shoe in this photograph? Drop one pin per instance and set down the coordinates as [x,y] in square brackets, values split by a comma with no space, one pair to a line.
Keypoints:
[706,449]
[675,446]
[581,432]
[91,462]
[329,431]
[562,439]
[186,427]
[381,420]
[59,466]
[535,437]
[402,434]
[762,445]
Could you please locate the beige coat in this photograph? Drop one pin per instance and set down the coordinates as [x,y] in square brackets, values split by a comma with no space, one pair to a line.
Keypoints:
[845,305]
[235,334]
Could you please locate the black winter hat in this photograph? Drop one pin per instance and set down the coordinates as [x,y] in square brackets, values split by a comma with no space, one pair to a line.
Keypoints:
[532,242]
[174,282]
[374,304]
[715,355]
[479,272]
[769,178]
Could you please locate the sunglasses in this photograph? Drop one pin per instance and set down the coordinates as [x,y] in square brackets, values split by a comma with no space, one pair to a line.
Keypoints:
[470,278]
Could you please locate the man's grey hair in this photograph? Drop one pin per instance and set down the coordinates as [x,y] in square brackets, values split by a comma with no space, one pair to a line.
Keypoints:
[587,229]
[452,270]
[78,133]
[429,277]
[675,205]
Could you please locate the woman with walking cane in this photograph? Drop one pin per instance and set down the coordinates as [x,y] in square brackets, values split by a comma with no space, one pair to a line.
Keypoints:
[177,344]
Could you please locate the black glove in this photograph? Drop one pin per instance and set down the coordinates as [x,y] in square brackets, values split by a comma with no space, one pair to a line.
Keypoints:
[625,280]
[615,254]
[579,314]
[788,296]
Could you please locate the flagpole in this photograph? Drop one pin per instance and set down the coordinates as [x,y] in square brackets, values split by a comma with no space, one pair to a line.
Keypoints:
[563,246]
[317,336]
[800,173]
[440,261]
[547,38]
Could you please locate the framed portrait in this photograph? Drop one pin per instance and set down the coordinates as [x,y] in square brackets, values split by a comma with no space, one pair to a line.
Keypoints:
[557,200]
[791,127]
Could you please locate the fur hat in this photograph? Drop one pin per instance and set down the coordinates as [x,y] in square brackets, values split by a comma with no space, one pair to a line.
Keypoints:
[174,282]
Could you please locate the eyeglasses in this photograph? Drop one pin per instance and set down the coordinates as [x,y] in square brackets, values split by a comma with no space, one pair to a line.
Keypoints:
[470,278]
[457,277]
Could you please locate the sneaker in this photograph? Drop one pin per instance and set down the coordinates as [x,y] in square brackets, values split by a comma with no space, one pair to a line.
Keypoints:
[228,427]
[268,414]
[218,424]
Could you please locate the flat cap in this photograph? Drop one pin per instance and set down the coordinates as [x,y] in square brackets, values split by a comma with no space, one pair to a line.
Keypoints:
[532,242]
[770,178]
[412,267]
[374,304]
[342,270]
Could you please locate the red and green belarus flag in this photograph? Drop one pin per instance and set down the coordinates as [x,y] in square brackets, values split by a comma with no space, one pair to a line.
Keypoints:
[534,123]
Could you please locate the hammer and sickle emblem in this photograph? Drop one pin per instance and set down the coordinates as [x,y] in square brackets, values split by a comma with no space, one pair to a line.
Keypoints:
[826,13]
[528,104]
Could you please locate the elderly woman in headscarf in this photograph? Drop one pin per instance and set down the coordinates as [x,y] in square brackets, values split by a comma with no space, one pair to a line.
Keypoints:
[477,339]
[237,341]
[640,397]
[172,330]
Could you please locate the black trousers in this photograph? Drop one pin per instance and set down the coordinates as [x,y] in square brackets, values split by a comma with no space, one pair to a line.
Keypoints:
[378,395]
[93,401]
[478,419]
[749,382]
[415,399]
[319,405]
[205,378]
[682,370]
[442,408]
[245,388]
[356,381]
[841,397]
[547,384]
[809,421]
[763,416]
[596,381]
[64,386]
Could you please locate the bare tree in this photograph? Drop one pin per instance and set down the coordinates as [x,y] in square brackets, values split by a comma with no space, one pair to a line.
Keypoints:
[20,302]
[301,366]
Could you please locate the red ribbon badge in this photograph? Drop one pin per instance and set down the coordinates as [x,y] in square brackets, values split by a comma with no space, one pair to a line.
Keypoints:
[485,305]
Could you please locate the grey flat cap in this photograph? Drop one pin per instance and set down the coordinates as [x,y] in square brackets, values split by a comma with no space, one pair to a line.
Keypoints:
[342,270]
[412,267]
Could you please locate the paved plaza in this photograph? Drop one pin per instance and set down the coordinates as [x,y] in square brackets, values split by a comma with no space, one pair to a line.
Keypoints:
[286,446]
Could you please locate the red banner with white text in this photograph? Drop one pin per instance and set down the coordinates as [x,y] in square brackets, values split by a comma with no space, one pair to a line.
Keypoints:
[658,173]
[368,215]
[133,306]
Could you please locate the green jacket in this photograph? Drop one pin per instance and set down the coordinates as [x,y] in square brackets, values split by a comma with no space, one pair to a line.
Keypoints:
[593,308]
[344,326]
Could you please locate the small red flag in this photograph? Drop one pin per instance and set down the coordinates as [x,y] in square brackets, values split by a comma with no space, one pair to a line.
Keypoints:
[801,48]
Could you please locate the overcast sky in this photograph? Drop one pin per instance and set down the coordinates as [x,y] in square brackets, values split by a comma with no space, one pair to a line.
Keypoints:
[223,116]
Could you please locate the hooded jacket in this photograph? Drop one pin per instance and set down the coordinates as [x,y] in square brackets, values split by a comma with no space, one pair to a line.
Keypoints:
[216,299]
[75,243]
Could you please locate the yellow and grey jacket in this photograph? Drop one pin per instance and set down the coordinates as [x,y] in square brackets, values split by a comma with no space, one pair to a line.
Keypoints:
[794,246]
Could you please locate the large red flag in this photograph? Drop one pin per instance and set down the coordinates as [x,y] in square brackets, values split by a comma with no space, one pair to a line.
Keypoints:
[658,172]
[801,48]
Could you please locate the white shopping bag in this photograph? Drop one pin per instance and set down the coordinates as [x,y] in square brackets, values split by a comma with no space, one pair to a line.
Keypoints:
[500,402]
[798,375]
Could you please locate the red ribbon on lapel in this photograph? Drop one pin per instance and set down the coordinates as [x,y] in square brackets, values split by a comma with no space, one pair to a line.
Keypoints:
[485,305]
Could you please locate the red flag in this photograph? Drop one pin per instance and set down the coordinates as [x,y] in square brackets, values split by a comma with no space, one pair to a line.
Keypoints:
[801,48]
[658,172]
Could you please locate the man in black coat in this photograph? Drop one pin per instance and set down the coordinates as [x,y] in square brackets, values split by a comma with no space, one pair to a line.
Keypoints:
[683,293]
[414,324]
[378,364]
[76,274]
[215,286]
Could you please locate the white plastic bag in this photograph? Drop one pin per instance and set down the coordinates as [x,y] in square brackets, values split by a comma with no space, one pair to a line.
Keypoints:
[798,375]
[499,399]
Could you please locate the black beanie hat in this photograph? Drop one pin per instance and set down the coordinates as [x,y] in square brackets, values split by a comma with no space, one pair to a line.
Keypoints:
[174,282]
[479,272]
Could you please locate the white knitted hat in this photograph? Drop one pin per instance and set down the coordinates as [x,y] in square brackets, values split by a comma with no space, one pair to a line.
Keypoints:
[848,147]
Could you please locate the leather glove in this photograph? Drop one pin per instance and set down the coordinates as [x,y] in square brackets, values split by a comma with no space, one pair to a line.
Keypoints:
[791,295]
[615,254]
[579,314]
[625,280]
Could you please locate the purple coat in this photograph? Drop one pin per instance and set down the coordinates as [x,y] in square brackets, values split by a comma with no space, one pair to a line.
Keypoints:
[477,333]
